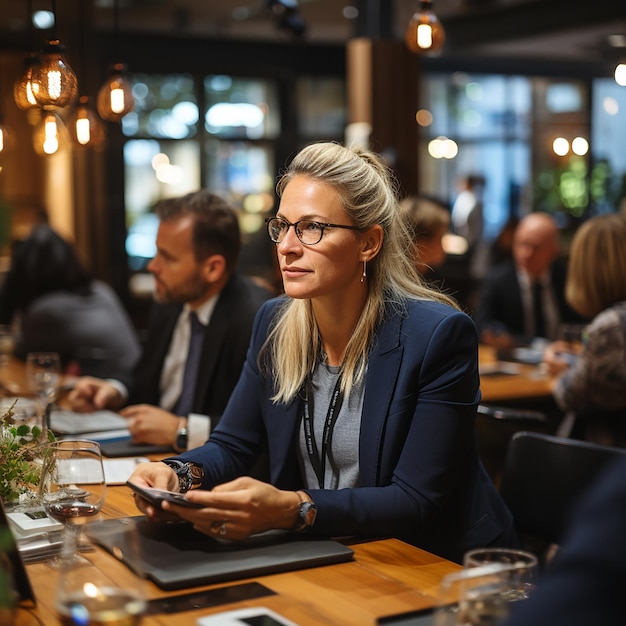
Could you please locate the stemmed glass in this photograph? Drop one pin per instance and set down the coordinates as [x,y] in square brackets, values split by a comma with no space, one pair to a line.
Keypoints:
[43,371]
[109,586]
[72,489]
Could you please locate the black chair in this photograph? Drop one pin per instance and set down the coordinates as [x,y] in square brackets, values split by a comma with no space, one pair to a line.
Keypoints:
[544,476]
[495,425]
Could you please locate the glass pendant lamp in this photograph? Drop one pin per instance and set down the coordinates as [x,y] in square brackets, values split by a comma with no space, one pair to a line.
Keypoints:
[425,33]
[54,82]
[49,133]
[115,98]
[86,130]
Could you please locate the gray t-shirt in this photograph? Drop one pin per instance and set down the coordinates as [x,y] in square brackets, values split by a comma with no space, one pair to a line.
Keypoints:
[342,458]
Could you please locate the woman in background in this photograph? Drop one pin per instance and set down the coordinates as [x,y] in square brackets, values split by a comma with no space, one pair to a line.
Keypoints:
[428,223]
[58,307]
[592,377]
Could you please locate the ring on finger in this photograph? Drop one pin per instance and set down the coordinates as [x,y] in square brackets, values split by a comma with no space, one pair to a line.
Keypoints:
[219,527]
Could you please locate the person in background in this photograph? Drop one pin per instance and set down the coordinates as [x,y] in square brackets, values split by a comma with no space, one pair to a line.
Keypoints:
[428,222]
[198,331]
[525,298]
[361,380]
[591,380]
[58,307]
[584,584]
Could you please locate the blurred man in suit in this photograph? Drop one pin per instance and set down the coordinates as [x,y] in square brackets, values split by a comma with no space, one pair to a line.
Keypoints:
[198,331]
[525,297]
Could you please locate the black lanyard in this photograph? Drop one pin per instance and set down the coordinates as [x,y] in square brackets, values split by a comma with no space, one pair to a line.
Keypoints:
[334,407]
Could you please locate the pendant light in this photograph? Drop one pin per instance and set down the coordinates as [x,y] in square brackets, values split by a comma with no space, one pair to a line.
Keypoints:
[86,130]
[53,80]
[48,135]
[425,34]
[23,86]
[620,74]
[5,138]
[115,98]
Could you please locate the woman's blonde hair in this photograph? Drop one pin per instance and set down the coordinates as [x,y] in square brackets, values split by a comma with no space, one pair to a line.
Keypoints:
[596,274]
[368,192]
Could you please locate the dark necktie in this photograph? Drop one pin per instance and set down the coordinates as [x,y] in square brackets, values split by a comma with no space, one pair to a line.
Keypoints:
[540,330]
[184,403]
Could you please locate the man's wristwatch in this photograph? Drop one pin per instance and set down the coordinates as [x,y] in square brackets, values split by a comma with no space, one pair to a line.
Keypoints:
[306,514]
[180,441]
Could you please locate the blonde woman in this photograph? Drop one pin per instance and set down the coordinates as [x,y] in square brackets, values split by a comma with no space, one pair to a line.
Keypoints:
[361,381]
[592,382]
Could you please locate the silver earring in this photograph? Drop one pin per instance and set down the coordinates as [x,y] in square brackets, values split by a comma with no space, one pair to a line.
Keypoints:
[364,274]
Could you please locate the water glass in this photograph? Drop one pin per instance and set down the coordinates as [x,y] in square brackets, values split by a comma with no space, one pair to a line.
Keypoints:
[521,568]
[474,597]
[108,587]
[483,592]
[43,372]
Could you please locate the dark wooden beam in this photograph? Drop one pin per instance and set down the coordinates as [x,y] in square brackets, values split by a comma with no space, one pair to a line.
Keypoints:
[490,22]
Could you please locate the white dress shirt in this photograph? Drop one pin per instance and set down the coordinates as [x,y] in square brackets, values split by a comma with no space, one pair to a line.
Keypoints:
[171,383]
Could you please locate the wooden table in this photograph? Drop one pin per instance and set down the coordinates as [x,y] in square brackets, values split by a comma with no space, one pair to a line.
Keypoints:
[529,381]
[386,576]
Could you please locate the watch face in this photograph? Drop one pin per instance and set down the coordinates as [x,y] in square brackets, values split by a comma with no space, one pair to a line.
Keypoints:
[181,440]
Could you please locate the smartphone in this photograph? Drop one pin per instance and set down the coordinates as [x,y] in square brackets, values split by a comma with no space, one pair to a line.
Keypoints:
[254,616]
[157,496]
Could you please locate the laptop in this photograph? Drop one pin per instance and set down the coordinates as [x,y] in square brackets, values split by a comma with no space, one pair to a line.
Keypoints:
[8,549]
[175,556]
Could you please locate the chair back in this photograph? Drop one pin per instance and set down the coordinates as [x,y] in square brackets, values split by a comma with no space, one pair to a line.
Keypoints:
[544,476]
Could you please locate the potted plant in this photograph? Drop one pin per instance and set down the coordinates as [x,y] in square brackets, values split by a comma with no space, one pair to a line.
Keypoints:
[20,463]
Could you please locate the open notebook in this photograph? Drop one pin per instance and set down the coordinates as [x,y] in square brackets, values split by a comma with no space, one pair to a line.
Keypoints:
[175,556]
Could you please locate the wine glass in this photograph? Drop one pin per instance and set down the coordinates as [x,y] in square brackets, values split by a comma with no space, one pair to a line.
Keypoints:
[43,372]
[108,587]
[72,489]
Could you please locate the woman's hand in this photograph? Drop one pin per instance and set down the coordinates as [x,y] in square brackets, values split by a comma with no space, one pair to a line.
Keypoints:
[157,475]
[240,508]
[558,356]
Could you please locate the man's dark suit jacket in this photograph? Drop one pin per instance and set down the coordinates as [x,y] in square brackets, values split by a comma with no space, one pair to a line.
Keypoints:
[223,352]
[585,583]
[500,304]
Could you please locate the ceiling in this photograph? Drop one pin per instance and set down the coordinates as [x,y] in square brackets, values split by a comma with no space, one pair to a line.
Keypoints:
[537,29]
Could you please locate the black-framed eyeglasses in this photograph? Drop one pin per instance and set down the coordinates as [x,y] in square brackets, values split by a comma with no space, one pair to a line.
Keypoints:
[307,231]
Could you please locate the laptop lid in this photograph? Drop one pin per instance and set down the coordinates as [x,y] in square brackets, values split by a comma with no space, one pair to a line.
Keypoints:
[8,547]
[176,556]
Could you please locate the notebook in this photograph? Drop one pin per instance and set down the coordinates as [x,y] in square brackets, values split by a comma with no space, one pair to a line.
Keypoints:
[176,556]
[21,581]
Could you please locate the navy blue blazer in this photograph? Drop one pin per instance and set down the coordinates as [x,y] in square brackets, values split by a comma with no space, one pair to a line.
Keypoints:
[421,479]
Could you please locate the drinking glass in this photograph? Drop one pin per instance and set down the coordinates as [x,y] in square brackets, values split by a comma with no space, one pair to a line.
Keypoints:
[521,568]
[72,489]
[43,372]
[474,597]
[108,587]
[482,593]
